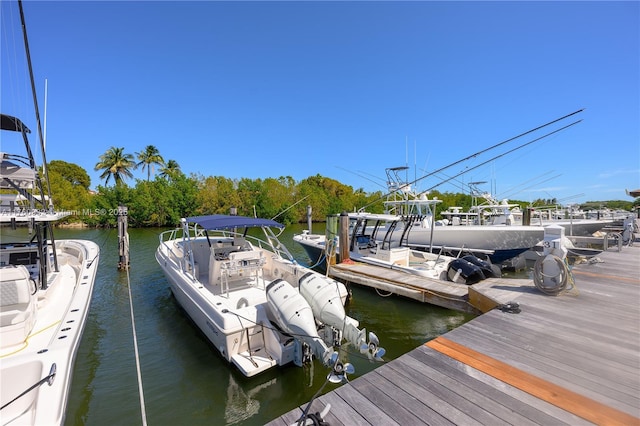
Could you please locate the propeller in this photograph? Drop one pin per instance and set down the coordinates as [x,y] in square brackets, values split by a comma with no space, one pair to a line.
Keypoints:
[339,371]
[373,349]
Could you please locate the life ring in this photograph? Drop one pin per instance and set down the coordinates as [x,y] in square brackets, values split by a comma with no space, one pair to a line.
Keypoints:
[242,303]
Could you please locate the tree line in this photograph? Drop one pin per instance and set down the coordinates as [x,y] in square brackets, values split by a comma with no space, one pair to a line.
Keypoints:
[168,195]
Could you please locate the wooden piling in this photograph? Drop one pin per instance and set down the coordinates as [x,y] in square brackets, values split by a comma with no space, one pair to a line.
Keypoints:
[344,237]
[123,238]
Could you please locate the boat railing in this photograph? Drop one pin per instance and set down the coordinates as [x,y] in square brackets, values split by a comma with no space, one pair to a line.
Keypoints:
[167,236]
[188,233]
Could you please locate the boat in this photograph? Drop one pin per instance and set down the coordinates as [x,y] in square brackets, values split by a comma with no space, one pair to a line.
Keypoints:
[492,211]
[45,293]
[251,299]
[369,239]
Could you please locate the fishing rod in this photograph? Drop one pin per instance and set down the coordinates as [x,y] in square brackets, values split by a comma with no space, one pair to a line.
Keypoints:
[499,144]
[290,207]
[360,175]
[35,104]
[512,192]
[486,150]
[505,153]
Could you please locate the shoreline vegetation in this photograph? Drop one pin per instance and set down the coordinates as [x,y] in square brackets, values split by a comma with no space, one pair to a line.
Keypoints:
[164,198]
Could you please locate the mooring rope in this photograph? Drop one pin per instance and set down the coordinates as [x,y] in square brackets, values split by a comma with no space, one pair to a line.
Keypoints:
[135,347]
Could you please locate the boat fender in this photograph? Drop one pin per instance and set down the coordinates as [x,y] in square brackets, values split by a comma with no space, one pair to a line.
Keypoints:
[242,303]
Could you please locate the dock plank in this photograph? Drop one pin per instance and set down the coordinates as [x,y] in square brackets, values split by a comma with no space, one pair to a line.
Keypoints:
[427,290]
[465,397]
[403,395]
[526,331]
[567,372]
[403,375]
[567,359]
[512,398]
[387,400]
[367,409]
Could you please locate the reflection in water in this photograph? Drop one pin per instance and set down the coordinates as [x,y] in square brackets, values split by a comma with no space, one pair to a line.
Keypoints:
[185,380]
[242,405]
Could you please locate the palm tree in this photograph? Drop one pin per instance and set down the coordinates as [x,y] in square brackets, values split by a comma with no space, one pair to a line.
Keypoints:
[170,169]
[148,158]
[114,162]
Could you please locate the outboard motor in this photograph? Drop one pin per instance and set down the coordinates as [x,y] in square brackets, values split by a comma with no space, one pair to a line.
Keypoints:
[462,271]
[488,269]
[324,297]
[295,317]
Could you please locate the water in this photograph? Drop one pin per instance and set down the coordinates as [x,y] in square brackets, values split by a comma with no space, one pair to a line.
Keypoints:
[185,380]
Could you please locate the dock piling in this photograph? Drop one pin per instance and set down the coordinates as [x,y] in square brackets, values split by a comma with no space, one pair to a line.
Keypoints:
[123,238]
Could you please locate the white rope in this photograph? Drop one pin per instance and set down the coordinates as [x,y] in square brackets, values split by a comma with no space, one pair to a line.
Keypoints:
[562,278]
[135,347]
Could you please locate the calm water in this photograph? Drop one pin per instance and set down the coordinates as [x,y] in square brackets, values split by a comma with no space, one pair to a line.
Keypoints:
[185,380]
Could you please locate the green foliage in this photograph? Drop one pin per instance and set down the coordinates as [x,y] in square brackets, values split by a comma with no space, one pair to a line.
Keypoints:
[172,195]
[216,195]
[611,204]
[72,173]
[67,196]
[104,205]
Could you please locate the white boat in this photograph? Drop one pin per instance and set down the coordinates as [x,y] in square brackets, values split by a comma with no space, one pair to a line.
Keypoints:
[369,238]
[45,294]
[420,230]
[572,219]
[251,299]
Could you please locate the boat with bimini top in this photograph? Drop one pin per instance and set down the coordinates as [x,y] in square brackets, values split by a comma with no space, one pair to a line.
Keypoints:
[251,299]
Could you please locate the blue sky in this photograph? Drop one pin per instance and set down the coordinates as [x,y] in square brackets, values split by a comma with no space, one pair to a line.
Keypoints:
[341,89]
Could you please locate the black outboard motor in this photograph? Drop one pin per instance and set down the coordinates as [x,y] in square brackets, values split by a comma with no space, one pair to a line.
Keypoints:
[487,268]
[462,271]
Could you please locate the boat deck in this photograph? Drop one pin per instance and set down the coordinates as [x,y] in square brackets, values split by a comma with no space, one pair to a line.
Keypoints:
[569,359]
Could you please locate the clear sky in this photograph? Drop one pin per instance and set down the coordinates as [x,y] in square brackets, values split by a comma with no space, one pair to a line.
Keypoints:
[340,89]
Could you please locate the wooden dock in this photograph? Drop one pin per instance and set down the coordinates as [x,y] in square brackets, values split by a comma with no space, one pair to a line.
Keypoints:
[460,297]
[568,359]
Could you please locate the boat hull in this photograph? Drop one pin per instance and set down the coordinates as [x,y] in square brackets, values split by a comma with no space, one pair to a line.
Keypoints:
[228,300]
[313,246]
[500,243]
[54,340]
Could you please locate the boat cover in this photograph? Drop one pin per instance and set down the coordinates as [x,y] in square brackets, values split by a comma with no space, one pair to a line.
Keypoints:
[221,221]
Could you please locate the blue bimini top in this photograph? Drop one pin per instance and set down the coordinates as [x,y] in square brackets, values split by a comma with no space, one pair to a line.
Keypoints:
[221,221]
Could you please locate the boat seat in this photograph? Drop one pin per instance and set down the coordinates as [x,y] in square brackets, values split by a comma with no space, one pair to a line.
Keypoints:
[241,244]
[234,265]
[17,304]
[240,261]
